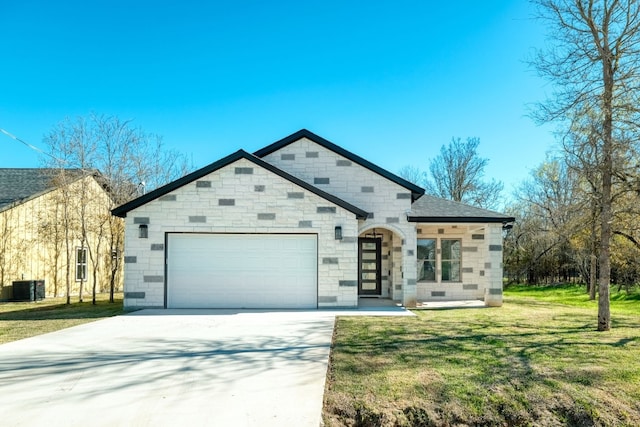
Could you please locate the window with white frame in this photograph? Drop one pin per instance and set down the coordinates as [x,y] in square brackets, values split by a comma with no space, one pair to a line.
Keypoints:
[81,264]
[448,263]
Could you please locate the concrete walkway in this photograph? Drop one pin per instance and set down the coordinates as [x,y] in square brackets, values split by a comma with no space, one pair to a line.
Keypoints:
[174,367]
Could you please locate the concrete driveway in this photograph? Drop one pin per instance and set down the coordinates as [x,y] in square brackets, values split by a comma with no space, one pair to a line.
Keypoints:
[165,367]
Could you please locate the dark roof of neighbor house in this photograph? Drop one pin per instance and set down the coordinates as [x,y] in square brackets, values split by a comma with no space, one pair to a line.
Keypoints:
[434,209]
[18,185]
[416,191]
[122,210]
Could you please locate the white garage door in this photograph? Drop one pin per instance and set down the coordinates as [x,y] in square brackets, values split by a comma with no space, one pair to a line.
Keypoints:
[242,271]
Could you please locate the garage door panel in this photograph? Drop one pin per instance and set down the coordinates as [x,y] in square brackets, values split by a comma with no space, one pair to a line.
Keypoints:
[241,271]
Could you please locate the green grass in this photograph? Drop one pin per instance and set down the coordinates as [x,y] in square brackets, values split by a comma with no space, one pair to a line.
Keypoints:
[20,320]
[534,361]
[574,295]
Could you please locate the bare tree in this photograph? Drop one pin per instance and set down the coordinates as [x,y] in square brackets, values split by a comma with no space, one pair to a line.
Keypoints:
[593,62]
[457,173]
[6,240]
[63,199]
[129,161]
[551,217]
[51,233]
[412,174]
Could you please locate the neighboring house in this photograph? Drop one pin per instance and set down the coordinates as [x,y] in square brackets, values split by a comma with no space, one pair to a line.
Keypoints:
[42,215]
[304,223]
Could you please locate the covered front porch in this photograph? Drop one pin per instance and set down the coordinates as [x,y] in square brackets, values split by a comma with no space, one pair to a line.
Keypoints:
[386,264]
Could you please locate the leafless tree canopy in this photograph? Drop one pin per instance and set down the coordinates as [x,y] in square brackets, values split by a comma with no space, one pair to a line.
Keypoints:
[126,161]
[457,173]
[592,61]
[129,159]
[412,174]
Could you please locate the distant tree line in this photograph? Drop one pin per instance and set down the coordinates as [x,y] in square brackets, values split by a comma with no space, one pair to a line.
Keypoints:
[577,216]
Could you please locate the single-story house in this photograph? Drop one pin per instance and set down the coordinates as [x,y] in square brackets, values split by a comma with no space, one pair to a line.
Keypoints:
[304,223]
[43,213]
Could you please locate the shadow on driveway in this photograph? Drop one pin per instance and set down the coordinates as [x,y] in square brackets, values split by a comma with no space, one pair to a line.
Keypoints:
[157,368]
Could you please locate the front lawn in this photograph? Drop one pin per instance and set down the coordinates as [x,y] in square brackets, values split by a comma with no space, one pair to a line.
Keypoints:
[574,295]
[20,320]
[530,362]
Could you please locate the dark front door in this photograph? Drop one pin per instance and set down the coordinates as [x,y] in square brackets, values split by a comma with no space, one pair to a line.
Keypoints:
[369,266]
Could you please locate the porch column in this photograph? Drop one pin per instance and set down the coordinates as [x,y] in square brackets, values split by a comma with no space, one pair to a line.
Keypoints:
[409,281]
[493,291]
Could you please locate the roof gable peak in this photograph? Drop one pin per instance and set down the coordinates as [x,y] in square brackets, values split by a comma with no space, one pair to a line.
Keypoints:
[122,210]
[416,191]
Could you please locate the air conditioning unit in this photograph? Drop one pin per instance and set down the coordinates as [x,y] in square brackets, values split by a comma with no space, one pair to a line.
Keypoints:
[28,290]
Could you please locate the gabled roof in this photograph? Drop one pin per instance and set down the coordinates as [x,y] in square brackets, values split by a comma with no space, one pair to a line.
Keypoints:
[122,210]
[416,191]
[434,209]
[18,185]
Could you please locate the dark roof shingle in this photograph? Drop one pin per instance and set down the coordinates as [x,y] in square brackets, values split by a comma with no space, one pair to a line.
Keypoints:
[20,184]
[434,209]
[122,210]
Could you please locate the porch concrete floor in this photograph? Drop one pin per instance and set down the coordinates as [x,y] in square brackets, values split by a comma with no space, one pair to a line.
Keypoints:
[437,305]
[369,303]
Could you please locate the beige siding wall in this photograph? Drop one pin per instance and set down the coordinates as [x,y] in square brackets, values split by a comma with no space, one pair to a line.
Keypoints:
[240,198]
[32,239]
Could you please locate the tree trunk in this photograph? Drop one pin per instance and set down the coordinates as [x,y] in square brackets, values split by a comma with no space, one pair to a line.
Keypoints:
[67,268]
[604,314]
[82,276]
[593,267]
[592,277]
[93,290]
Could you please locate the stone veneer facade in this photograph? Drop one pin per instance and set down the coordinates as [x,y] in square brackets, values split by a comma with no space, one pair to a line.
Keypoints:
[481,262]
[241,198]
[387,201]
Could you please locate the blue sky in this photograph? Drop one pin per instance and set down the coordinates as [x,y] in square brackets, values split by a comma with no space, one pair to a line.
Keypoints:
[391,81]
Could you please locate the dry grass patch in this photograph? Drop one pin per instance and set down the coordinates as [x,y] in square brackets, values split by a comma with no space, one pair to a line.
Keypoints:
[527,363]
[20,320]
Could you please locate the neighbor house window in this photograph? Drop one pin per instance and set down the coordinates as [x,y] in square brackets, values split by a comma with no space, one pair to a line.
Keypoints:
[450,260]
[81,264]
[427,260]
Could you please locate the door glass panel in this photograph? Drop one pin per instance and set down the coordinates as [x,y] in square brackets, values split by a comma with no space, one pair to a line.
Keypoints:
[369,268]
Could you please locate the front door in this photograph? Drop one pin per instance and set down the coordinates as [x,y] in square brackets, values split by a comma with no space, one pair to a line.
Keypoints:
[369,266]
